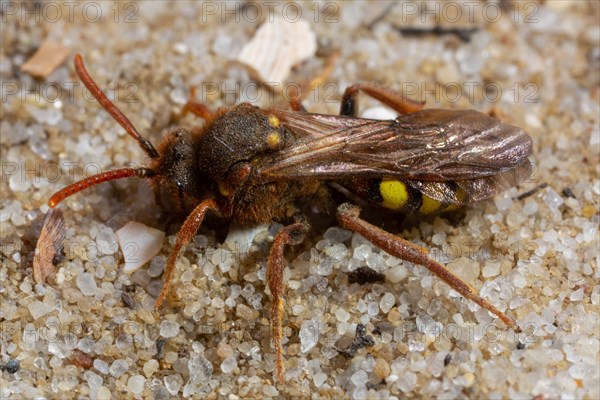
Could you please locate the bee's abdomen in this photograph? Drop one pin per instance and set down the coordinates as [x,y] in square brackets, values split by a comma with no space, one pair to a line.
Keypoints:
[398,195]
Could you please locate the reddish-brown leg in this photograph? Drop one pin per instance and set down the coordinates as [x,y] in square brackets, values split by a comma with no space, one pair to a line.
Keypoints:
[290,235]
[298,94]
[395,100]
[186,233]
[296,104]
[348,215]
[196,108]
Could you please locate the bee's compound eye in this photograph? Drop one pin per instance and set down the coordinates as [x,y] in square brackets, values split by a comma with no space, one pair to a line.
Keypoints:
[235,178]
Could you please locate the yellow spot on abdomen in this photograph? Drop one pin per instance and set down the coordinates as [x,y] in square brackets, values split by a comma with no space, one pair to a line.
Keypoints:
[273,121]
[461,195]
[452,207]
[429,205]
[394,193]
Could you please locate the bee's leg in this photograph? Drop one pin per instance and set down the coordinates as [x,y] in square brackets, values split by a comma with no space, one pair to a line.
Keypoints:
[395,100]
[296,104]
[297,94]
[290,235]
[185,234]
[196,108]
[348,215]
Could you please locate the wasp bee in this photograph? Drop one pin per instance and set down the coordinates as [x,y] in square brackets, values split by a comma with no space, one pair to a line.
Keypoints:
[253,165]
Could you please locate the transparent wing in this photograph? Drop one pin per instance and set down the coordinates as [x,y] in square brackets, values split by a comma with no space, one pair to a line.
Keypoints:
[472,189]
[429,146]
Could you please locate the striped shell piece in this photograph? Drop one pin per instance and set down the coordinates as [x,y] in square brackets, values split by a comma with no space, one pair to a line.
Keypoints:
[278,45]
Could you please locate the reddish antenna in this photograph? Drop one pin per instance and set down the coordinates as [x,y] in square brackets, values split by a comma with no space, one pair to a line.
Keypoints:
[96,179]
[108,105]
[125,123]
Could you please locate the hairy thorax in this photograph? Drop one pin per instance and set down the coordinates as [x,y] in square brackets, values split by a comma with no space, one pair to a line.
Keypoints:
[277,201]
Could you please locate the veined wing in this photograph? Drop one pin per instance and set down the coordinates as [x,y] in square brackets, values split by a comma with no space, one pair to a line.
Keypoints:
[430,146]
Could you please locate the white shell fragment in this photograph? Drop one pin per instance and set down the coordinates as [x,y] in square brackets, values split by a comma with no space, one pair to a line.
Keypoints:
[138,243]
[382,113]
[278,45]
[243,236]
[239,241]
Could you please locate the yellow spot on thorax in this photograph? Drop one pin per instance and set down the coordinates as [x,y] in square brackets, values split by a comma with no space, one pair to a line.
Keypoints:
[273,121]
[273,139]
[223,188]
[394,193]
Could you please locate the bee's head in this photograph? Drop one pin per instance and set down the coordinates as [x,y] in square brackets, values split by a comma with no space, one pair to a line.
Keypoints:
[173,169]
[177,183]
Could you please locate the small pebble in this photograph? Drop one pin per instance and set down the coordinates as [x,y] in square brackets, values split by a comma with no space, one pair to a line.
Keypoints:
[407,381]
[169,329]
[39,309]
[224,350]
[86,345]
[82,359]
[103,393]
[396,274]
[173,383]
[490,269]
[309,335]
[359,378]
[12,366]
[578,371]
[319,379]
[101,366]
[552,199]
[382,368]
[135,384]
[229,365]
[372,308]
[93,379]
[86,283]
[577,295]
[387,302]
[118,368]
[270,391]
[150,367]
[342,315]
[337,235]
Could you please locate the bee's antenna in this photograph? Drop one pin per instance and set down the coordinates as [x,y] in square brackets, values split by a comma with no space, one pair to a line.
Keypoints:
[108,105]
[96,179]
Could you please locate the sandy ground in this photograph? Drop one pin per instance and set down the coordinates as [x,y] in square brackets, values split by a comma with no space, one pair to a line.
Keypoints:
[90,333]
